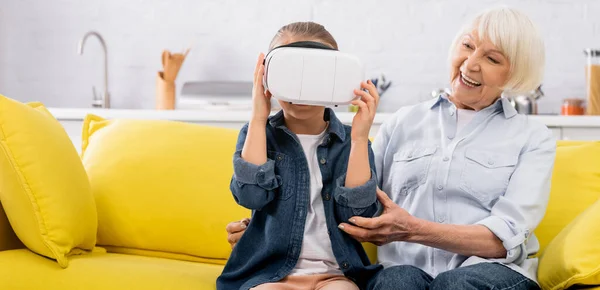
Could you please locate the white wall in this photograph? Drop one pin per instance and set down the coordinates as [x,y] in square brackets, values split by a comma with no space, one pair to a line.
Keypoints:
[407,40]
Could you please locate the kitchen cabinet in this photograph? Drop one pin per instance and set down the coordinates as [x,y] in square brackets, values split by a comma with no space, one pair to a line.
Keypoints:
[580,133]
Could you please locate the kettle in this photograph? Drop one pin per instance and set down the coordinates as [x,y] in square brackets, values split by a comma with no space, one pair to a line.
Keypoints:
[527,103]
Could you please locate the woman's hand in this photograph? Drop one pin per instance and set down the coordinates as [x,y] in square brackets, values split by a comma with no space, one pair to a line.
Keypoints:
[367,106]
[235,230]
[261,100]
[394,224]
[397,225]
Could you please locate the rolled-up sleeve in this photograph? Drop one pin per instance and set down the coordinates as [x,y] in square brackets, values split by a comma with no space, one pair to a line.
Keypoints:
[360,200]
[515,215]
[356,197]
[261,175]
[253,186]
[513,238]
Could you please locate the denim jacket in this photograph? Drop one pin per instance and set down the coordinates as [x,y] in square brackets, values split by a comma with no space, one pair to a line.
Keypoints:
[278,192]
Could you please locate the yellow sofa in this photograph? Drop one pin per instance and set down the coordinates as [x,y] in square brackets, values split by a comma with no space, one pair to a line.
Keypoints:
[119,268]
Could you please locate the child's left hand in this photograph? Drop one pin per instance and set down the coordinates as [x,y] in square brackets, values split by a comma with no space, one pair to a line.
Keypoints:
[367,106]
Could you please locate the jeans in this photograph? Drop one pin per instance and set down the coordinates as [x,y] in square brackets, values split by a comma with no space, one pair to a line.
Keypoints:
[480,276]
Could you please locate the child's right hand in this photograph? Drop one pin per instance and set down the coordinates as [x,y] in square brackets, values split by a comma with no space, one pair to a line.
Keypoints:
[235,230]
[261,100]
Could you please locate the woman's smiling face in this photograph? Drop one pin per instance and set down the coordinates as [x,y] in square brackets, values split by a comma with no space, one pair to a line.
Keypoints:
[479,72]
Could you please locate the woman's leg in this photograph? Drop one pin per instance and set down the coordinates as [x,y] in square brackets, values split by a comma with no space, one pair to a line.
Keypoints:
[400,277]
[336,282]
[482,276]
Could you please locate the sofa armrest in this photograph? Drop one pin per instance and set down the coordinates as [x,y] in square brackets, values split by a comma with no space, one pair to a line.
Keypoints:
[8,239]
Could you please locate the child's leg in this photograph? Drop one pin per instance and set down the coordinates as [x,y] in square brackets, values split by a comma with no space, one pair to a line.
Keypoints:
[273,286]
[291,283]
[335,282]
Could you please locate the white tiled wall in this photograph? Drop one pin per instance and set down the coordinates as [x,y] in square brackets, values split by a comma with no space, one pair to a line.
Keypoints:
[407,40]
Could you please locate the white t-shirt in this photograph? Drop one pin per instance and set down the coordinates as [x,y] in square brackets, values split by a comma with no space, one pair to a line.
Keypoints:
[316,255]
[464,117]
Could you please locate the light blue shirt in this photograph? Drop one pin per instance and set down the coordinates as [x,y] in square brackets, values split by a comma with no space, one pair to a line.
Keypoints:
[494,172]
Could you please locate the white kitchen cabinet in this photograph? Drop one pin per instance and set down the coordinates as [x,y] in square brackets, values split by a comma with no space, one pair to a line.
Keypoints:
[74,130]
[581,133]
[557,132]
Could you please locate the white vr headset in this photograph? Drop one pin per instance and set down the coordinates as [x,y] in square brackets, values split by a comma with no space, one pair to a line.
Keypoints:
[311,73]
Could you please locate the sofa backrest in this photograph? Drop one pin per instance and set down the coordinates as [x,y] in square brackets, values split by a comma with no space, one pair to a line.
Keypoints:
[575,186]
[162,187]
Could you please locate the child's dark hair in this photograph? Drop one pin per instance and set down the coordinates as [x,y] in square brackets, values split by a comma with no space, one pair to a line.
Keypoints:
[309,30]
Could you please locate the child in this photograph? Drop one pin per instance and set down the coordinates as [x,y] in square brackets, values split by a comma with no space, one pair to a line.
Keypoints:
[302,172]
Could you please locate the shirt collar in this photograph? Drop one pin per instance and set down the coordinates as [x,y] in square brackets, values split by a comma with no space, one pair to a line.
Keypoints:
[437,100]
[509,110]
[335,125]
[501,104]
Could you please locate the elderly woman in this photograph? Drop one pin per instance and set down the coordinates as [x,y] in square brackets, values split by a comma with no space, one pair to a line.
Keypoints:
[465,179]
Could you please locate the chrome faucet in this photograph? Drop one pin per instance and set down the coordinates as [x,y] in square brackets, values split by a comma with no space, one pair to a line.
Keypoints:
[102,101]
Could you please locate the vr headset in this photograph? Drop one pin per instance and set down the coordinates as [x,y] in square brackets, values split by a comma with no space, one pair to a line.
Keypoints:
[312,73]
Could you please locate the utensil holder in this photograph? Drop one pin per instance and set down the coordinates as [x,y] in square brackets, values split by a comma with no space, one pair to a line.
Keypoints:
[165,93]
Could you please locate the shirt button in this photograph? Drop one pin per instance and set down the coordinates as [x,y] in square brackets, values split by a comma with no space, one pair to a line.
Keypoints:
[450,137]
[323,161]
[327,196]
[510,253]
[409,156]
[440,187]
[345,265]
[446,158]
[441,219]
[451,113]
[491,162]
[279,158]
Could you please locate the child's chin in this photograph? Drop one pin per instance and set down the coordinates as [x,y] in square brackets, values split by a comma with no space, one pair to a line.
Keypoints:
[303,111]
[304,106]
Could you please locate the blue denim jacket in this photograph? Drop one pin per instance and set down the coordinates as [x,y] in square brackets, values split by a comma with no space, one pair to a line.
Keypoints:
[278,193]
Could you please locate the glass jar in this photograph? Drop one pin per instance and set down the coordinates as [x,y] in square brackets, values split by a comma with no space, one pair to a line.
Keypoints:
[572,107]
[592,73]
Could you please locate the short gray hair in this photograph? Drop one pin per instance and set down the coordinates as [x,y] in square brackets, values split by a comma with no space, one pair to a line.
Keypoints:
[518,39]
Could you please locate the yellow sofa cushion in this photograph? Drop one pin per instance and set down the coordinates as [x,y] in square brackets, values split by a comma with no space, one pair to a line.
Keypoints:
[572,254]
[162,187]
[22,269]
[575,186]
[43,186]
[573,257]
[8,239]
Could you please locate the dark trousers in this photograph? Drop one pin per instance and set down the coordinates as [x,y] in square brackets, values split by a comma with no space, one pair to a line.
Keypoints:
[478,276]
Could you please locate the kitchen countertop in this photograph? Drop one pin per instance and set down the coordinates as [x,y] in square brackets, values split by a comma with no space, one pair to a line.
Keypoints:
[217,116]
